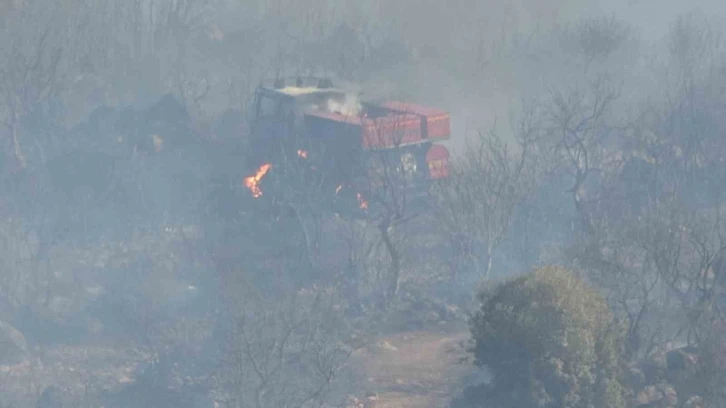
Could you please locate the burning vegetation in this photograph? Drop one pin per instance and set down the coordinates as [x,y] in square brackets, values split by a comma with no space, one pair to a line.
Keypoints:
[252,182]
[362,202]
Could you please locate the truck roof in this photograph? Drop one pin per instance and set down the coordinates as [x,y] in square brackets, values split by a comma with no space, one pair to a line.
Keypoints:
[304,90]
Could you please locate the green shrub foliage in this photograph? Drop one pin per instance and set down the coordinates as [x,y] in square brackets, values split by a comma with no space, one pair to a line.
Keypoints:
[549,340]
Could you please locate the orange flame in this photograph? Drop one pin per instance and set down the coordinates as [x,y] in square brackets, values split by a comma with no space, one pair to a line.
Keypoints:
[252,182]
[362,203]
[302,153]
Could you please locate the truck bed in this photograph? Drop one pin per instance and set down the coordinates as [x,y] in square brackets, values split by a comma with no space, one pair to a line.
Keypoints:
[402,124]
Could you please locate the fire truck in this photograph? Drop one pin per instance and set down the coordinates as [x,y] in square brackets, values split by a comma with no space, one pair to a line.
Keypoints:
[363,145]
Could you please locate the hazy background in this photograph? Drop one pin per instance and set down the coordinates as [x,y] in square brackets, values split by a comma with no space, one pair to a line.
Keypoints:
[131,256]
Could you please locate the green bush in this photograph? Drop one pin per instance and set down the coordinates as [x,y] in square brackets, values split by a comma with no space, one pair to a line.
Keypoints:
[549,340]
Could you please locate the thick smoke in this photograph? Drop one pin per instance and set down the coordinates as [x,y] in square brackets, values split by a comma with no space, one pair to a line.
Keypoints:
[348,105]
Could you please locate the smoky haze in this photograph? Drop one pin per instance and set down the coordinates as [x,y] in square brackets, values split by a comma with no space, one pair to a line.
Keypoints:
[171,238]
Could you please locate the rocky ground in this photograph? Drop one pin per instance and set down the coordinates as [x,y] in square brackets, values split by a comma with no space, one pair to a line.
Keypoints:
[71,371]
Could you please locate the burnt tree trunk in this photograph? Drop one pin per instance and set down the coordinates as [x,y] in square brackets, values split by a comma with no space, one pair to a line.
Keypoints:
[395,255]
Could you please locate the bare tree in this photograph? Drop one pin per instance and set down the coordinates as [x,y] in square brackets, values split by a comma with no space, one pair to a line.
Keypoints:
[477,204]
[581,139]
[285,352]
[598,40]
[619,261]
[656,240]
[390,195]
[30,73]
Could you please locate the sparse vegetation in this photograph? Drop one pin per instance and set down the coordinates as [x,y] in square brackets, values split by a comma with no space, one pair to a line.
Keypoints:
[137,269]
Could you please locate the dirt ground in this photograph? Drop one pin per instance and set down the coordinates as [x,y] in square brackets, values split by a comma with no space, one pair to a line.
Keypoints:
[419,369]
[413,369]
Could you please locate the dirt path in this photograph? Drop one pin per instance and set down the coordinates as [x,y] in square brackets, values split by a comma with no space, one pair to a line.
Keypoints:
[419,369]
